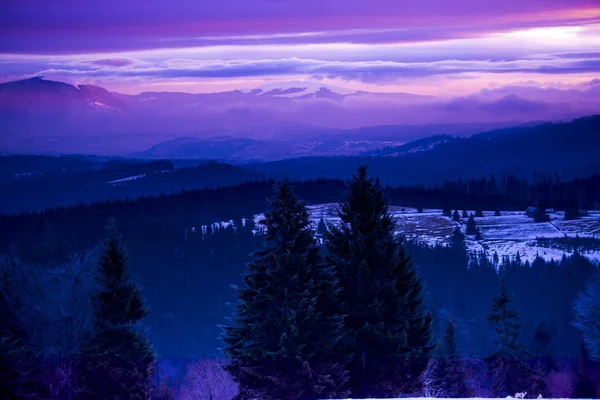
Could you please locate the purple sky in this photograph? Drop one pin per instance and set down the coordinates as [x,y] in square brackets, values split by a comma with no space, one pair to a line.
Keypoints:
[439,47]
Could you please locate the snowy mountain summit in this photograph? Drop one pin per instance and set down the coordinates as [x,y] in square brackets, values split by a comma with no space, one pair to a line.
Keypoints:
[297,89]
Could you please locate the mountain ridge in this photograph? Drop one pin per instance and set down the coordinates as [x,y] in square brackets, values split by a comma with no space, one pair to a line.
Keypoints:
[47,117]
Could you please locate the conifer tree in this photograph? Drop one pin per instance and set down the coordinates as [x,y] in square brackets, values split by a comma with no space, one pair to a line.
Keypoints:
[471,226]
[387,329]
[457,240]
[321,228]
[447,211]
[450,368]
[478,213]
[540,215]
[464,214]
[284,337]
[497,213]
[508,366]
[118,360]
[456,216]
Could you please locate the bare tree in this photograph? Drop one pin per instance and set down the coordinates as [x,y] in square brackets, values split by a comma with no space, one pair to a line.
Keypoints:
[207,380]
[432,385]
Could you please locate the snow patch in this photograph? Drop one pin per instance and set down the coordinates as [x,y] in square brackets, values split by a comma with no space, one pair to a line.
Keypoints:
[506,235]
[122,181]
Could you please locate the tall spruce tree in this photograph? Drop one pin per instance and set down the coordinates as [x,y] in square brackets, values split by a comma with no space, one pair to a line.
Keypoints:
[287,325]
[118,360]
[387,329]
[450,366]
[507,367]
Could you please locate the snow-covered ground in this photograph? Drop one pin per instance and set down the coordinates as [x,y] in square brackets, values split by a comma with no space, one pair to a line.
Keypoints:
[507,234]
[124,180]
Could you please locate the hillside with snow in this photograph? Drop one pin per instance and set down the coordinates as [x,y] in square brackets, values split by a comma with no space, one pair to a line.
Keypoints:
[508,234]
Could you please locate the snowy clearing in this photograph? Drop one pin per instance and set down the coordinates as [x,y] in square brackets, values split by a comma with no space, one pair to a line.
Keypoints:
[124,180]
[505,235]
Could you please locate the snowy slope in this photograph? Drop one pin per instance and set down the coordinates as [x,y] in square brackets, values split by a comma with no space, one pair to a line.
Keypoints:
[508,234]
[505,235]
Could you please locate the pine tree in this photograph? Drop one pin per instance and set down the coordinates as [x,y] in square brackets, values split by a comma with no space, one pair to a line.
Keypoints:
[478,213]
[464,214]
[387,330]
[284,338]
[456,216]
[447,211]
[540,215]
[508,367]
[118,360]
[420,209]
[497,213]
[471,226]
[457,240]
[321,228]
[450,368]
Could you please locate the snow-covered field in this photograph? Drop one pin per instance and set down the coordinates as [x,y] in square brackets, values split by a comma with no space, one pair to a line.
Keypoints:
[507,234]
[124,180]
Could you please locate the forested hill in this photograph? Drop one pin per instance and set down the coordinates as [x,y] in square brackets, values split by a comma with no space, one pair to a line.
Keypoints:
[186,274]
[52,234]
[34,188]
[570,147]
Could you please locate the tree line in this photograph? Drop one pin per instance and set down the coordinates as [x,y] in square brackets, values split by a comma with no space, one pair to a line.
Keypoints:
[352,316]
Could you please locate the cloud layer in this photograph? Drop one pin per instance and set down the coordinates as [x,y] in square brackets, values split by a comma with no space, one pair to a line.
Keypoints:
[114,25]
[436,47]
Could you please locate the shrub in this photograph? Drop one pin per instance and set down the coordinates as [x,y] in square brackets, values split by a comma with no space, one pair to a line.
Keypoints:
[207,380]
[560,385]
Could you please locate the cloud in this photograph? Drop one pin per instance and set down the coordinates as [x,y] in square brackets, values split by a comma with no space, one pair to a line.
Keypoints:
[70,26]
[365,71]
[113,62]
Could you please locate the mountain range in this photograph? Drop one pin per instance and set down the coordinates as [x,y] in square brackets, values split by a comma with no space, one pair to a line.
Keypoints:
[273,121]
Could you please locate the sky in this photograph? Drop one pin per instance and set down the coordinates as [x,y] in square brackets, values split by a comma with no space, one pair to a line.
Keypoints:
[430,47]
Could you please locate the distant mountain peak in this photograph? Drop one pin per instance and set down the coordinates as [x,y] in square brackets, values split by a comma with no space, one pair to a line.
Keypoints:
[297,89]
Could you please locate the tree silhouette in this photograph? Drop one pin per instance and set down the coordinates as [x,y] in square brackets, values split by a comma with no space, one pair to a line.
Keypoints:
[117,360]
